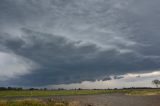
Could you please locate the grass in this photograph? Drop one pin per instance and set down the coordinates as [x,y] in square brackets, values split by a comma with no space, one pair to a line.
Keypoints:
[49,92]
[50,102]
[144,92]
[36,102]
[7,93]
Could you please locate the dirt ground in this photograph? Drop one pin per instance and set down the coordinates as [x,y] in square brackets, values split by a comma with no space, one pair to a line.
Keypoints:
[106,99]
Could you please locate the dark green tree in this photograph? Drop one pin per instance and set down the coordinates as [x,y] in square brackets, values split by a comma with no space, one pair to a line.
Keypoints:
[156,82]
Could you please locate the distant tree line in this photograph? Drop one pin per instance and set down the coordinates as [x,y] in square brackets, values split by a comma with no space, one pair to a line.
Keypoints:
[155,82]
[20,88]
[11,88]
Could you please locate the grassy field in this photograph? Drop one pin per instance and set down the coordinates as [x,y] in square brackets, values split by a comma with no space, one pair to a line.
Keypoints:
[6,93]
[36,102]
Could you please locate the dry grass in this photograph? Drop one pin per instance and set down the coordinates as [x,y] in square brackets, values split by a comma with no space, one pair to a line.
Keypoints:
[11,93]
[74,103]
[36,102]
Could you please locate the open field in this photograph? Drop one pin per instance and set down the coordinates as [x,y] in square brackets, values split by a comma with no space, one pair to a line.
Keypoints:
[125,97]
[114,99]
[7,93]
[34,102]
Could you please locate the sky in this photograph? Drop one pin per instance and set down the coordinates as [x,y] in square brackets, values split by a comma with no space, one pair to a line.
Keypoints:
[79,43]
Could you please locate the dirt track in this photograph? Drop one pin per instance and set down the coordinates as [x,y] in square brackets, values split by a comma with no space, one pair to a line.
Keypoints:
[107,100]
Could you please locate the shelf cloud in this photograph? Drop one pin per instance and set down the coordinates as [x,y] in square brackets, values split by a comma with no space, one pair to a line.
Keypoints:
[69,41]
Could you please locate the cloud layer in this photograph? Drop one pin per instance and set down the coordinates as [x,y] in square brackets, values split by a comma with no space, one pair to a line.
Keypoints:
[69,41]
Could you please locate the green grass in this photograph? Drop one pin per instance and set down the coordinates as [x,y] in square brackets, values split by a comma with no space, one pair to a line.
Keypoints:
[34,102]
[144,92]
[50,102]
[75,92]
[48,92]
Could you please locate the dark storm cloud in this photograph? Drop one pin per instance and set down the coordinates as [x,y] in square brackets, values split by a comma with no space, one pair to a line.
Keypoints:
[72,41]
[118,77]
[65,61]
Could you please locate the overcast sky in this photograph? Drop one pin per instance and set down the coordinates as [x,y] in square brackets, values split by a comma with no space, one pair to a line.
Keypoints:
[66,42]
